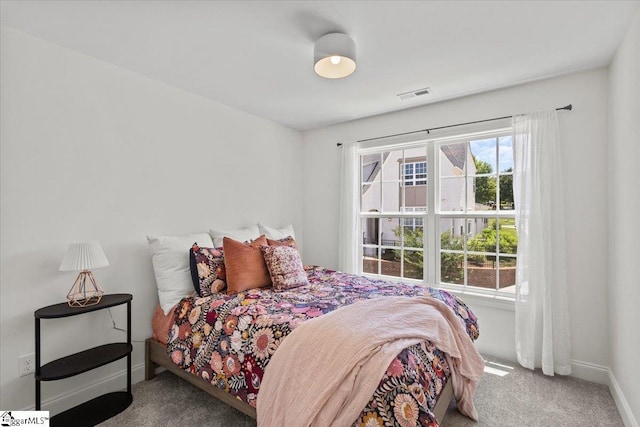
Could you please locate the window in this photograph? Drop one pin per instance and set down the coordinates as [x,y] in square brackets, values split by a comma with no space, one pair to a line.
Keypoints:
[415,173]
[453,227]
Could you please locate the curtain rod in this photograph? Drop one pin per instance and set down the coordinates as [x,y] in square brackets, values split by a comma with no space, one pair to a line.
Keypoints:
[566,107]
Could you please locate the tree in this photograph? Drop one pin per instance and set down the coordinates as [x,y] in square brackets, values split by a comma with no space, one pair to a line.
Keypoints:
[485,185]
[506,188]
[451,268]
[412,239]
[487,239]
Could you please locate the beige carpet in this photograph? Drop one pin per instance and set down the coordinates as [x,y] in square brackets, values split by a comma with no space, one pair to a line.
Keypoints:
[508,395]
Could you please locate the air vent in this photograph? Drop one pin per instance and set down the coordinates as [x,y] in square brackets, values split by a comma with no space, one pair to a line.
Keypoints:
[413,93]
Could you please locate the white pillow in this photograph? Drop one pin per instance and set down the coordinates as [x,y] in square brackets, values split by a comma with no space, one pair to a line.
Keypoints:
[275,233]
[239,234]
[170,256]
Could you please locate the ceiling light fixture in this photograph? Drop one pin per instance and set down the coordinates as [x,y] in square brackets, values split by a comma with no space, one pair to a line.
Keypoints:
[334,56]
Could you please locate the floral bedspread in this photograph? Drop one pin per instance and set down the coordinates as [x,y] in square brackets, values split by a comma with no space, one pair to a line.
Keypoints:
[228,340]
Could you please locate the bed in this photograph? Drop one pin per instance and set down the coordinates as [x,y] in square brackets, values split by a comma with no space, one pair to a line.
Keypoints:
[223,343]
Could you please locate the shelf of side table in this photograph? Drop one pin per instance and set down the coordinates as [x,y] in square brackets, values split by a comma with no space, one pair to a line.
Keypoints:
[94,411]
[83,361]
[103,407]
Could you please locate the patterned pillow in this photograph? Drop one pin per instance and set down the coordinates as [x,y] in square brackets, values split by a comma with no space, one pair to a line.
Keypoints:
[207,270]
[285,267]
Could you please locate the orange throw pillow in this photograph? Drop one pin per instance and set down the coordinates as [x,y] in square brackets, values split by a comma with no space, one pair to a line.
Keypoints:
[245,265]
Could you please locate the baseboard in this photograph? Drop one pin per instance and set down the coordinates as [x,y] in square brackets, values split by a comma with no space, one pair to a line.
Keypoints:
[495,350]
[579,369]
[622,404]
[74,397]
[590,372]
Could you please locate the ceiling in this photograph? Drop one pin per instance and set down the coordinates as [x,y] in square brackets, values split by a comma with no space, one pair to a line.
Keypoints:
[258,56]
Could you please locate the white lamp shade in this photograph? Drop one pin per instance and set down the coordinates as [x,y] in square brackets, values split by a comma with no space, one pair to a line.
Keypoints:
[84,256]
[334,56]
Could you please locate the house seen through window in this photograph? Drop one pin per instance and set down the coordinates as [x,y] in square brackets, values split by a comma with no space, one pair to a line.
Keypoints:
[440,212]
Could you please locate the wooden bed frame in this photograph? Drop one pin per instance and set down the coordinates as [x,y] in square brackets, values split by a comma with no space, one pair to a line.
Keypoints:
[156,356]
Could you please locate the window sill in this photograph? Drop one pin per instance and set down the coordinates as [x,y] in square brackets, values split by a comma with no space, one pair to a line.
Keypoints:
[497,300]
[491,299]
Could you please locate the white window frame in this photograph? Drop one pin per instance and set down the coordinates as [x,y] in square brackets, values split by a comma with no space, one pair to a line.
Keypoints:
[432,215]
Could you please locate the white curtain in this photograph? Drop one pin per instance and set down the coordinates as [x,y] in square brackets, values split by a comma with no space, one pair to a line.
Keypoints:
[348,222]
[542,313]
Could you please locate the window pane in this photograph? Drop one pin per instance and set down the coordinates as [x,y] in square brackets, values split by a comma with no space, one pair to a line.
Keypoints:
[453,159]
[482,236]
[506,192]
[483,190]
[391,196]
[370,201]
[391,235]
[371,164]
[505,150]
[371,231]
[413,232]
[393,165]
[391,262]
[482,274]
[450,236]
[484,156]
[370,260]
[415,197]
[507,274]
[452,268]
[452,194]
[414,264]
[415,178]
[508,236]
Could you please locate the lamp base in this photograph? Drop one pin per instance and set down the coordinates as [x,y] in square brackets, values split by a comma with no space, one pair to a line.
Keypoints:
[85,290]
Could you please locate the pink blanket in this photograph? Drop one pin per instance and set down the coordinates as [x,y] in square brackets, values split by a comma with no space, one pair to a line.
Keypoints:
[327,369]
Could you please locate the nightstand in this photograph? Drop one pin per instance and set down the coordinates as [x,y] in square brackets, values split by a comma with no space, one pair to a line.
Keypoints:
[103,407]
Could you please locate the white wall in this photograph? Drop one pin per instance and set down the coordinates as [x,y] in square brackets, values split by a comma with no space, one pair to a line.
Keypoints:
[624,229]
[92,151]
[584,147]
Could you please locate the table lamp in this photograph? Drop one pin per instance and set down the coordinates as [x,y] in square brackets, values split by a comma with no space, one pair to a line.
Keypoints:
[83,257]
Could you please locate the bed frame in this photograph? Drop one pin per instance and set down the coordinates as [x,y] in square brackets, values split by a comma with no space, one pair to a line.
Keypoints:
[156,356]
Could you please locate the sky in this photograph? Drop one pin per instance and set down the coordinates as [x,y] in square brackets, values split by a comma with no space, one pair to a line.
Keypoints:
[485,150]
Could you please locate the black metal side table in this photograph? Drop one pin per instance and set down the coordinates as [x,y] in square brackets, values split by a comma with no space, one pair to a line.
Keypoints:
[103,407]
